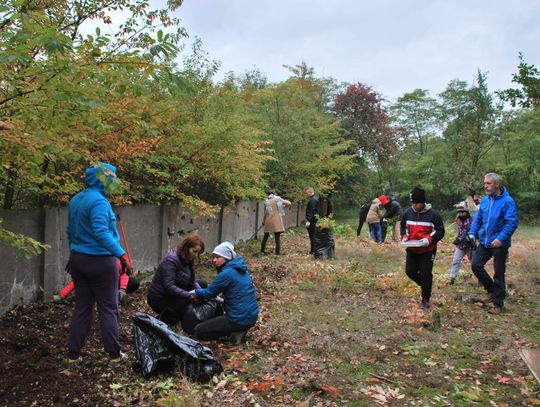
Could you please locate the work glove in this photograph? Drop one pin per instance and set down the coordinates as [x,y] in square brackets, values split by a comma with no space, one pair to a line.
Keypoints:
[307,224]
[122,297]
[473,240]
[425,241]
[125,265]
[192,295]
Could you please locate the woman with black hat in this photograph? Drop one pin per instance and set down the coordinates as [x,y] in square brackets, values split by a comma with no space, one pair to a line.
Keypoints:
[423,226]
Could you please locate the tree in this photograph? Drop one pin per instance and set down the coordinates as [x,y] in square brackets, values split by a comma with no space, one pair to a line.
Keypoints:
[366,123]
[63,93]
[470,115]
[528,77]
[419,114]
[308,150]
[253,79]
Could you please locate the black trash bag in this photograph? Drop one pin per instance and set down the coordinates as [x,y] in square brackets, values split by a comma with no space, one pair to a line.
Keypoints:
[324,244]
[159,349]
[197,313]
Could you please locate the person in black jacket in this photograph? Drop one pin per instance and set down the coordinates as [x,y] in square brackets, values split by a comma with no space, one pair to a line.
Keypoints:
[364,209]
[312,211]
[424,227]
[392,209]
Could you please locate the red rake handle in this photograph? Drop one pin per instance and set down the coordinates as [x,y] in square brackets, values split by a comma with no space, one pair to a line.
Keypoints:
[123,234]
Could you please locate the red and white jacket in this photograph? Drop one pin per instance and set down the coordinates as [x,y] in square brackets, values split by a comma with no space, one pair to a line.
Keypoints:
[424,224]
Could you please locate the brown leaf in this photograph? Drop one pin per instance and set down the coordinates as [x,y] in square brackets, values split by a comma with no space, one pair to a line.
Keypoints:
[330,389]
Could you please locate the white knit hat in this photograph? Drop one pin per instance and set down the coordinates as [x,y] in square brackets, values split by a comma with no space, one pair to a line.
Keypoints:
[225,250]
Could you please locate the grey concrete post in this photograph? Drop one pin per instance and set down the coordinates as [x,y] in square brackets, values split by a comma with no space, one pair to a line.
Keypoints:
[52,258]
[256,219]
[164,235]
[220,228]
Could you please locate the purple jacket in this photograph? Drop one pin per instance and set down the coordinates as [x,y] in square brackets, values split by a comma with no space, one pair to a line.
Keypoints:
[174,278]
[463,231]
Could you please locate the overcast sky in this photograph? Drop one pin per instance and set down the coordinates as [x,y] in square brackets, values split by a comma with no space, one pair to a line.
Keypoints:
[395,46]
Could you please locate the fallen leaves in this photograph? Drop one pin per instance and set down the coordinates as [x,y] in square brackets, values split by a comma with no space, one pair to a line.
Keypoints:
[382,395]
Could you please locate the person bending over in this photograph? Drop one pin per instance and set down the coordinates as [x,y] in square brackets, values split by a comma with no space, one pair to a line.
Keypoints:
[168,294]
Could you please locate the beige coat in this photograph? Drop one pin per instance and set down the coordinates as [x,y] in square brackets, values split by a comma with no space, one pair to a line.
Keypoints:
[375,213]
[274,209]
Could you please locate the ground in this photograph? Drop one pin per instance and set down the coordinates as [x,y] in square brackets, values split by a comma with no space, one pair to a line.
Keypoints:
[338,332]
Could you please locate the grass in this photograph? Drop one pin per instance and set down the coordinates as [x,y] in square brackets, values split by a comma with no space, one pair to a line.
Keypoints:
[350,332]
[358,317]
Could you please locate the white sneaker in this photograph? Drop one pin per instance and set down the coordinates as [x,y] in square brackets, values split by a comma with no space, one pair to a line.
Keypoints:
[119,360]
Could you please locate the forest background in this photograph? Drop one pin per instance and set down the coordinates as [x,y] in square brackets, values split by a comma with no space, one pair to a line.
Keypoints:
[138,99]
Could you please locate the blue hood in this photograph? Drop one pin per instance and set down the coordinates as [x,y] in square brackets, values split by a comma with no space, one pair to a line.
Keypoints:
[237,263]
[91,175]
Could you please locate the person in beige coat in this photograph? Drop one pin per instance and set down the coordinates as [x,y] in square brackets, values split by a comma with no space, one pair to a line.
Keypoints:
[374,217]
[274,210]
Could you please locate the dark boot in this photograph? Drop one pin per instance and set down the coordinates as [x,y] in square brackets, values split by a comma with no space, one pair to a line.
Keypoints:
[238,337]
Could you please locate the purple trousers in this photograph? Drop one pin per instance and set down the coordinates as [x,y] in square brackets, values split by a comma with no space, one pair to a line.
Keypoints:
[96,280]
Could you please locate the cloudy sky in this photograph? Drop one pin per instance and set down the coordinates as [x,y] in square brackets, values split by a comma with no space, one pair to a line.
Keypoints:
[395,46]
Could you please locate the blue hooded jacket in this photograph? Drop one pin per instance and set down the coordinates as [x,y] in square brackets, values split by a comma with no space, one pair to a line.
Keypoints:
[496,219]
[235,283]
[91,221]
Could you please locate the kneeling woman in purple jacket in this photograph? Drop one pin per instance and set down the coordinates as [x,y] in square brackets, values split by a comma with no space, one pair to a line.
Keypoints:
[236,285]
[168,294]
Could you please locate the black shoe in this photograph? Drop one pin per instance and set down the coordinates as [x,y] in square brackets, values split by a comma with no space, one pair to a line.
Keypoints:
[236,338]
[425,304]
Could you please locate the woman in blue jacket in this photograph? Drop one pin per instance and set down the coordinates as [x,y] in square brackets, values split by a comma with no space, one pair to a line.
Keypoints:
[94,247]
[234,281]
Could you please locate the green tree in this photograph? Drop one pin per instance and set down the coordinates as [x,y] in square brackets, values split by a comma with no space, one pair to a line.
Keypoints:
[420,115]
[470,114]
[528,77]
[308,149]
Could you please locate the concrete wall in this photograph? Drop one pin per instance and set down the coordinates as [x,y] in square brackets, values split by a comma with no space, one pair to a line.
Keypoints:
[19,279]
[150,232]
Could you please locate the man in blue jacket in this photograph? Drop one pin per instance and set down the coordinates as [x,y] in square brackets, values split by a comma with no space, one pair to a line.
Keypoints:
[492,230]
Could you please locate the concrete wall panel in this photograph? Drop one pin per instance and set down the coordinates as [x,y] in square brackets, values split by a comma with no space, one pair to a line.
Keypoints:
[150,232]
[179,223]
[142,227]
[20,277]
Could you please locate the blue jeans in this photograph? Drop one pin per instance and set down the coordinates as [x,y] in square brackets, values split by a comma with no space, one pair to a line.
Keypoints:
[375,232]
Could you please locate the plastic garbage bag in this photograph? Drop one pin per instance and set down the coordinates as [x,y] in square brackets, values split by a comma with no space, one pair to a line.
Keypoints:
[159,349]
[324,244]
[197,313]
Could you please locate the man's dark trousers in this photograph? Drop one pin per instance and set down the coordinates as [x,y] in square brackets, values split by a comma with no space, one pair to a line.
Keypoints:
[311,233]
[496,285]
